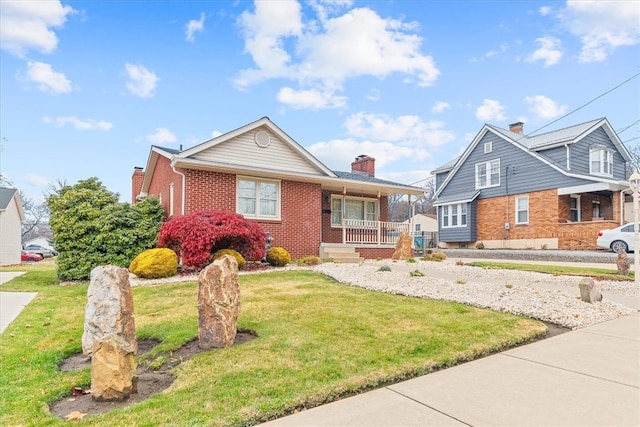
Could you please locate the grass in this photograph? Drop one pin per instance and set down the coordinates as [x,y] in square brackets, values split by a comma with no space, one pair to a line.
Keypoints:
[599,273]
[317,341]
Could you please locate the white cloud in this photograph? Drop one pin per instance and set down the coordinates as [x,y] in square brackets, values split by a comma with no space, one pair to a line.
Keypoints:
[47,79]
[602,26]
[79,124]
[142,82]
[311,99]
[550,51]
[373,95]
[315,55]
[545,108]
[161,136]
[410,177]
[405,130]
[26,25]
[440,107]
[215,133]
[37,180]
[490,110]
[545,10]
[194,26]
[339,153]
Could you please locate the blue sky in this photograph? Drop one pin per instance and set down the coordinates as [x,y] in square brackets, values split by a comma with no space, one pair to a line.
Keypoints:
[87,87]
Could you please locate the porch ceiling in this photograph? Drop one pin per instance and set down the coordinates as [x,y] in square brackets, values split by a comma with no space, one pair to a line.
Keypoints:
[593,187]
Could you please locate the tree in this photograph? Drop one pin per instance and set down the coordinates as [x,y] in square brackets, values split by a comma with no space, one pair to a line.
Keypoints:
[195,237]
[91,228]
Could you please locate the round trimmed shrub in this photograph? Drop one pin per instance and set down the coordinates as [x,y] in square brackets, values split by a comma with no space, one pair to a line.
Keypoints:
[155,264]
[278,257]
[237,255]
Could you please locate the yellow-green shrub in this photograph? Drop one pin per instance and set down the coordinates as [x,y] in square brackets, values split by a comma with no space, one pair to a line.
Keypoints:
[237,255]
[278,257]
[308,260]
[155,264]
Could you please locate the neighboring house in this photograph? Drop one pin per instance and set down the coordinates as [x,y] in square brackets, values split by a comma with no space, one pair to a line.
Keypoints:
[11,217]
[423,223]
[553,190]
[262,173]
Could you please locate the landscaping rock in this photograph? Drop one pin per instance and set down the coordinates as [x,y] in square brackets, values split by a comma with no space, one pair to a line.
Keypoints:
[109,311]
[113,370]
[623,262]
[589,292]
[403,248]
[155,264]
[218,303]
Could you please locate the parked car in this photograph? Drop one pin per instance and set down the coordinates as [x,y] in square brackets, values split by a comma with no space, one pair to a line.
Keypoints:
[619,239]
[30,256]
[41,250]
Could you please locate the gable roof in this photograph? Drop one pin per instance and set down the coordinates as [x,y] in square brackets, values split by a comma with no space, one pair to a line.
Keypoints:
[309,168]
[7,195]
[532,144]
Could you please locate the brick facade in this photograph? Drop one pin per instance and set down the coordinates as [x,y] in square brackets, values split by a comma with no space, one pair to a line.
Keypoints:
[162,180]
[549,218]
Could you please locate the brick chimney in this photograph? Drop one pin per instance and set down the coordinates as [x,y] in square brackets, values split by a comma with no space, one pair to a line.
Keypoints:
[136,183]
[364,164]
[517,127]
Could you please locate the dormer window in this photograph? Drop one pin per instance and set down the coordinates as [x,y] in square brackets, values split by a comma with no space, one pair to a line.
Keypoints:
[600,161]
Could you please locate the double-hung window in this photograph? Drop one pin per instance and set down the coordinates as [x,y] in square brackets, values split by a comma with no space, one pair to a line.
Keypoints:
[354,208]
[600,161]
[454,215]
[258,198]
[522,210]
[488,174]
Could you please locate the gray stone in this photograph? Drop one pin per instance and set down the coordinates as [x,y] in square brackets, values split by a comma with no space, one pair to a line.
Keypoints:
[109,311]
[623,262]
[218,303]
[589,292]
[113,370]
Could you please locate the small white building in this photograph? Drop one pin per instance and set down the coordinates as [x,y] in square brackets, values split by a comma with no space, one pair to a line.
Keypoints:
[423,222]
[11,217]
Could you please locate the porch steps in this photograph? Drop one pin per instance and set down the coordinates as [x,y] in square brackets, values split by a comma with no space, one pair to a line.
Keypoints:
[343,254]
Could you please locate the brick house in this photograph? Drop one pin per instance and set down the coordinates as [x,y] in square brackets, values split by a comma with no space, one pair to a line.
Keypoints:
[554,190]
[260,172]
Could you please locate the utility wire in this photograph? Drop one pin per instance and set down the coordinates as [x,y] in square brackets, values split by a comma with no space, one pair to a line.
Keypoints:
[584,105]
[627,127]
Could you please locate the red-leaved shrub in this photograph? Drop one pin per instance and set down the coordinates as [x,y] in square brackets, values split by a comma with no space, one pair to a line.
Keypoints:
[196,236]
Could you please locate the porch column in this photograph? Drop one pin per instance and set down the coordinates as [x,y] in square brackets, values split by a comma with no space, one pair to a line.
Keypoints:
[615,201]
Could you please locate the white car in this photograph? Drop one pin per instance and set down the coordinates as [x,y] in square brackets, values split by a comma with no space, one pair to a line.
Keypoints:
[619,239]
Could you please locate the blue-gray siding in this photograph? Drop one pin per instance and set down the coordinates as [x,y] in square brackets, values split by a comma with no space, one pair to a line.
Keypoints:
[580,154]
[460,234]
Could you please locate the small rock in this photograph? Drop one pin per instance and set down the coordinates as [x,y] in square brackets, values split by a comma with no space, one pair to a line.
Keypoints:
[589,292]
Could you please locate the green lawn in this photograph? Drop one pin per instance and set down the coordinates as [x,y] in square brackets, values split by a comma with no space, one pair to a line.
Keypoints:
[318,340]
[603,273]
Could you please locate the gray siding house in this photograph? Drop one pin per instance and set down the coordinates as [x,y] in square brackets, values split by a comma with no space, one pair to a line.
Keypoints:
[553,190]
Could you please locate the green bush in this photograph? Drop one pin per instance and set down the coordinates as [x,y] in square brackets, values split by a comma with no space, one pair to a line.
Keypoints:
[384,268]
[278,257]
[155,264]
[91,228]
[416,273]
[237,255]
[308,260]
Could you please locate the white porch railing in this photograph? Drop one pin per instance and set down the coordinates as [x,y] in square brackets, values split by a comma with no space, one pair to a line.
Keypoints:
[372,232]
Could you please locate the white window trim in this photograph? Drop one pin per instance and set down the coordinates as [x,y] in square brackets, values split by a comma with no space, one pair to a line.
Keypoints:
[577,197]
[277,215]
[171,198]
[345,198]
[488,147]
[604,152]
[449,215]
[488,169]
[518,222]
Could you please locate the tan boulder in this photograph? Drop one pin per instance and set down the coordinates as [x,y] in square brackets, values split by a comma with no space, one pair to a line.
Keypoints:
[113,371]
[403,248]
[218,303]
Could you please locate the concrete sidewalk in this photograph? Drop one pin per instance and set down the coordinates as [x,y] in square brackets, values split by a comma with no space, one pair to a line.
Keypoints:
[586,377]
[12,303]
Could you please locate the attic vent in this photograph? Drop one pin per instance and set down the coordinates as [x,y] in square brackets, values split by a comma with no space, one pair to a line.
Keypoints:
[262,138]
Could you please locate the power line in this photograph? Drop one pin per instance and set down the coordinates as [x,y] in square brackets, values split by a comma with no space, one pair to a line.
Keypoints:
[584,105]
[627,127]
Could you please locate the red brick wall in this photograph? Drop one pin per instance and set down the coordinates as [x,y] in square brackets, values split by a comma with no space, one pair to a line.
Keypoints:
[136,184]
[163,176]
[582,235]
[298,230]
[543,217]
[374,253]
[364,164]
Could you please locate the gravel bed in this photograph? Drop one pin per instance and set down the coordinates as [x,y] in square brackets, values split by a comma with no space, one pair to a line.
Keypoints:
[542,296]
[599,256]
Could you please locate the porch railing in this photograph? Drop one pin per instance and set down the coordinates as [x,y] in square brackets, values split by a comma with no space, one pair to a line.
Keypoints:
[372,232]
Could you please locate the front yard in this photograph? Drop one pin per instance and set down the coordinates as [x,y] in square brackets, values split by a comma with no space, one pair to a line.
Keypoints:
[317,341]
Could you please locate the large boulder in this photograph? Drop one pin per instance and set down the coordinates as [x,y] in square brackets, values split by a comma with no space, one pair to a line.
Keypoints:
[155,264]
[403,248]
[218,303]
[113,370]
[109,311]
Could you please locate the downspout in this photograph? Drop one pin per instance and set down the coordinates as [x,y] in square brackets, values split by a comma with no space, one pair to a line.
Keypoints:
[622,207]
[184,189]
